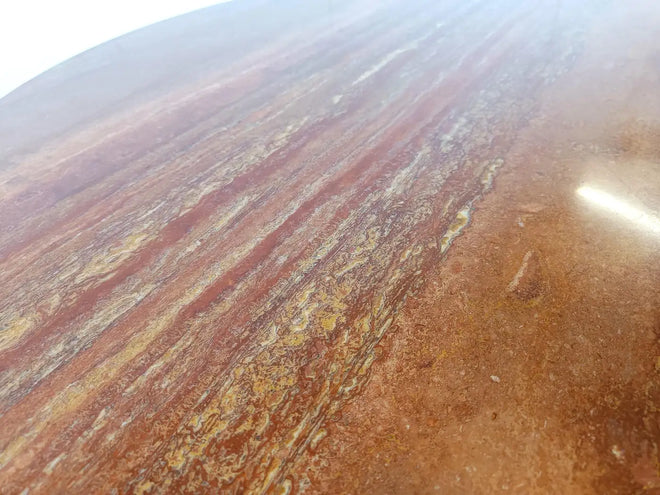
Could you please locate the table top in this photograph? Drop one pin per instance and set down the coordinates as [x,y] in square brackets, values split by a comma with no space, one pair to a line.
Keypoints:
[337,247]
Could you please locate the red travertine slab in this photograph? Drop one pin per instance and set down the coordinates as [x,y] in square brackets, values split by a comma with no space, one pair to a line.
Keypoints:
[337,247]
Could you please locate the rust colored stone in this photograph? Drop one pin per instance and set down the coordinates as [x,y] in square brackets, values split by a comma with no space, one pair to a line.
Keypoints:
[337,247]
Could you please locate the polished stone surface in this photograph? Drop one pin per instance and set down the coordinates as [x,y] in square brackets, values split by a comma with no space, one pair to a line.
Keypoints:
[338,247]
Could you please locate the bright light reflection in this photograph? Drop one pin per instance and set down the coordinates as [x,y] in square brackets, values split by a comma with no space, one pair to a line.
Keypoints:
[647,221]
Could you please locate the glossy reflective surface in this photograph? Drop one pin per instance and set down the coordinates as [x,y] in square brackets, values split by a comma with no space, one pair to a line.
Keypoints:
[365,247]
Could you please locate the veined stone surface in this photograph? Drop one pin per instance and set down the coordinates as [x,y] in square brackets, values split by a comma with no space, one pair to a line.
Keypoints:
[337,247]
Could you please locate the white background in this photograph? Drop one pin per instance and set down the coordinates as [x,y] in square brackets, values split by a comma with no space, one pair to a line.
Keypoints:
[35,35]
